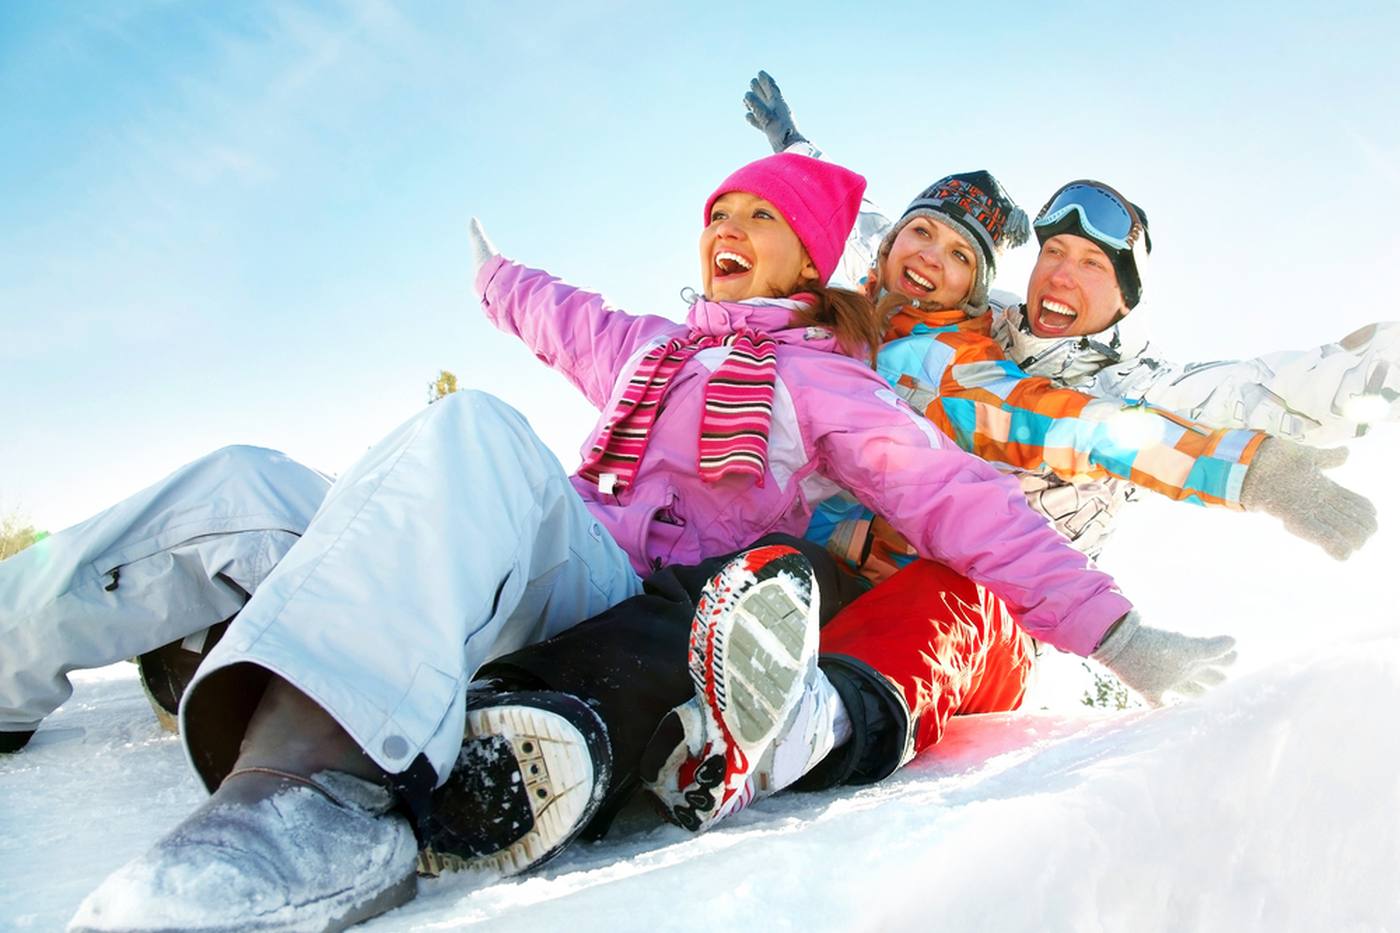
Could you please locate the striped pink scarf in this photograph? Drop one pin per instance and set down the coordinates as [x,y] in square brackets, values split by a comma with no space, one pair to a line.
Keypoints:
[733,428]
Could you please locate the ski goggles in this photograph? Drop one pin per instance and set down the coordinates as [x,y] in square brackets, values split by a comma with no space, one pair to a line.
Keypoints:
[1104,214]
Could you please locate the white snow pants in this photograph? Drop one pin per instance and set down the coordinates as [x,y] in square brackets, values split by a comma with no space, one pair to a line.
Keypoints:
[455,539]
[166,563]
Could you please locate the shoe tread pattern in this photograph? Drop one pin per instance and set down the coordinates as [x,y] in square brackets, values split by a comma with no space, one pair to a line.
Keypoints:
[552,761]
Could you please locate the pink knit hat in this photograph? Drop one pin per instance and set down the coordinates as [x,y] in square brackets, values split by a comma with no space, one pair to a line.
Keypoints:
[819,200]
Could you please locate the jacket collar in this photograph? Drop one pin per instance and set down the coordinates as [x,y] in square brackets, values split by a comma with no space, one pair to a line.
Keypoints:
[907,317]
[1073,360]
[771,316]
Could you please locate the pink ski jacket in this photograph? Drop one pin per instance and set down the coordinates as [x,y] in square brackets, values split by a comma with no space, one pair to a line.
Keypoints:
[836,425]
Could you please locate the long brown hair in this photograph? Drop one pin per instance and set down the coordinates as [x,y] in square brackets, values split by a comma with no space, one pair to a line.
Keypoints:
[849,315]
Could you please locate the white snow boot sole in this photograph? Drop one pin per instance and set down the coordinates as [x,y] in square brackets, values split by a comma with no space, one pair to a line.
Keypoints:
[531,773]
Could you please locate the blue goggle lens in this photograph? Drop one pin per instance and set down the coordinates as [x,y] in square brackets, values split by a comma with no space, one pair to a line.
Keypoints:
[1100,211]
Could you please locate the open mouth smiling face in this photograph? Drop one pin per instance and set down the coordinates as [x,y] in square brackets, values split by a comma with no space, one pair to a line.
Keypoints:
[748,251]
[931,263]
[1073,289]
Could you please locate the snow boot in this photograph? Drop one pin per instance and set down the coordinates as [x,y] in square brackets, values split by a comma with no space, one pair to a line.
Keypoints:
[167,671]
[762,709]
[316,854]
[533,770]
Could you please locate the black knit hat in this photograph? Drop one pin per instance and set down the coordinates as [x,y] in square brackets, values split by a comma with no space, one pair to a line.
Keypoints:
[976,205]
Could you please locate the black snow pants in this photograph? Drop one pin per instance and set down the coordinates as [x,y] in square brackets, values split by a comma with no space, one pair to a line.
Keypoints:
[629,663]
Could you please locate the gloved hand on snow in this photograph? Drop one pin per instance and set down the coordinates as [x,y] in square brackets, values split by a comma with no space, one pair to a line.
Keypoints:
[1285,479]
[1154,662]
[769,113]
[482,250]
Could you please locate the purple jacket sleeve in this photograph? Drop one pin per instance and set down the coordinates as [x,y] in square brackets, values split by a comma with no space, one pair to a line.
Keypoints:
[959,510]
[571,330]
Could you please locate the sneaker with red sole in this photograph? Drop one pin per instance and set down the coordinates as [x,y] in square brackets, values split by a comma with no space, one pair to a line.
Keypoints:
[752,657]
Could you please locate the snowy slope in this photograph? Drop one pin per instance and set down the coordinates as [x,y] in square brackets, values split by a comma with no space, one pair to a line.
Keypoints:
[1271,804]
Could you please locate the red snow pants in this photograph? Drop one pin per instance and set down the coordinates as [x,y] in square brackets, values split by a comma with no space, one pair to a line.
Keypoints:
[946,644]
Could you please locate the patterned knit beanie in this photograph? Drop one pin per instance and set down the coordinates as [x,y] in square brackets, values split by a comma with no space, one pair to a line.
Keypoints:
[819,200]
[976,205]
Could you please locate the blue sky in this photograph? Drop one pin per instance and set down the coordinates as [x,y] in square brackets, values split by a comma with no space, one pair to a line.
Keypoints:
[245,223]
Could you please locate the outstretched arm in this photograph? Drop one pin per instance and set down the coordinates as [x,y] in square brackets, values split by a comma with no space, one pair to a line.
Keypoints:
[993,409]
[957,509]
[569,329]
[1317,397]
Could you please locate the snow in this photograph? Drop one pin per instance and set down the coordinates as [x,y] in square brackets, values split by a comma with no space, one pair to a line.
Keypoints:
[1270,804]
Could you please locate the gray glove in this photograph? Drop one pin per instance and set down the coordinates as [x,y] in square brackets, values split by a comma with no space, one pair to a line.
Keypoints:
[1285,479]
[769,113]
[482,250]
[1153,661]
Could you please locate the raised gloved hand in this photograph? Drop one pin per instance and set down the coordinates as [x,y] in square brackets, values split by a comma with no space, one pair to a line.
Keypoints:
[769,113]
[1154,662]
[1285,479]
[482,250]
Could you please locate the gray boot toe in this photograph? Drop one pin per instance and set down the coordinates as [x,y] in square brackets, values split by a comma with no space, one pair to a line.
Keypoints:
[304,858]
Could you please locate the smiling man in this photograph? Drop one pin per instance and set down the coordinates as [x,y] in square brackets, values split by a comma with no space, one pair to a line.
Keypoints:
[1093,243]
